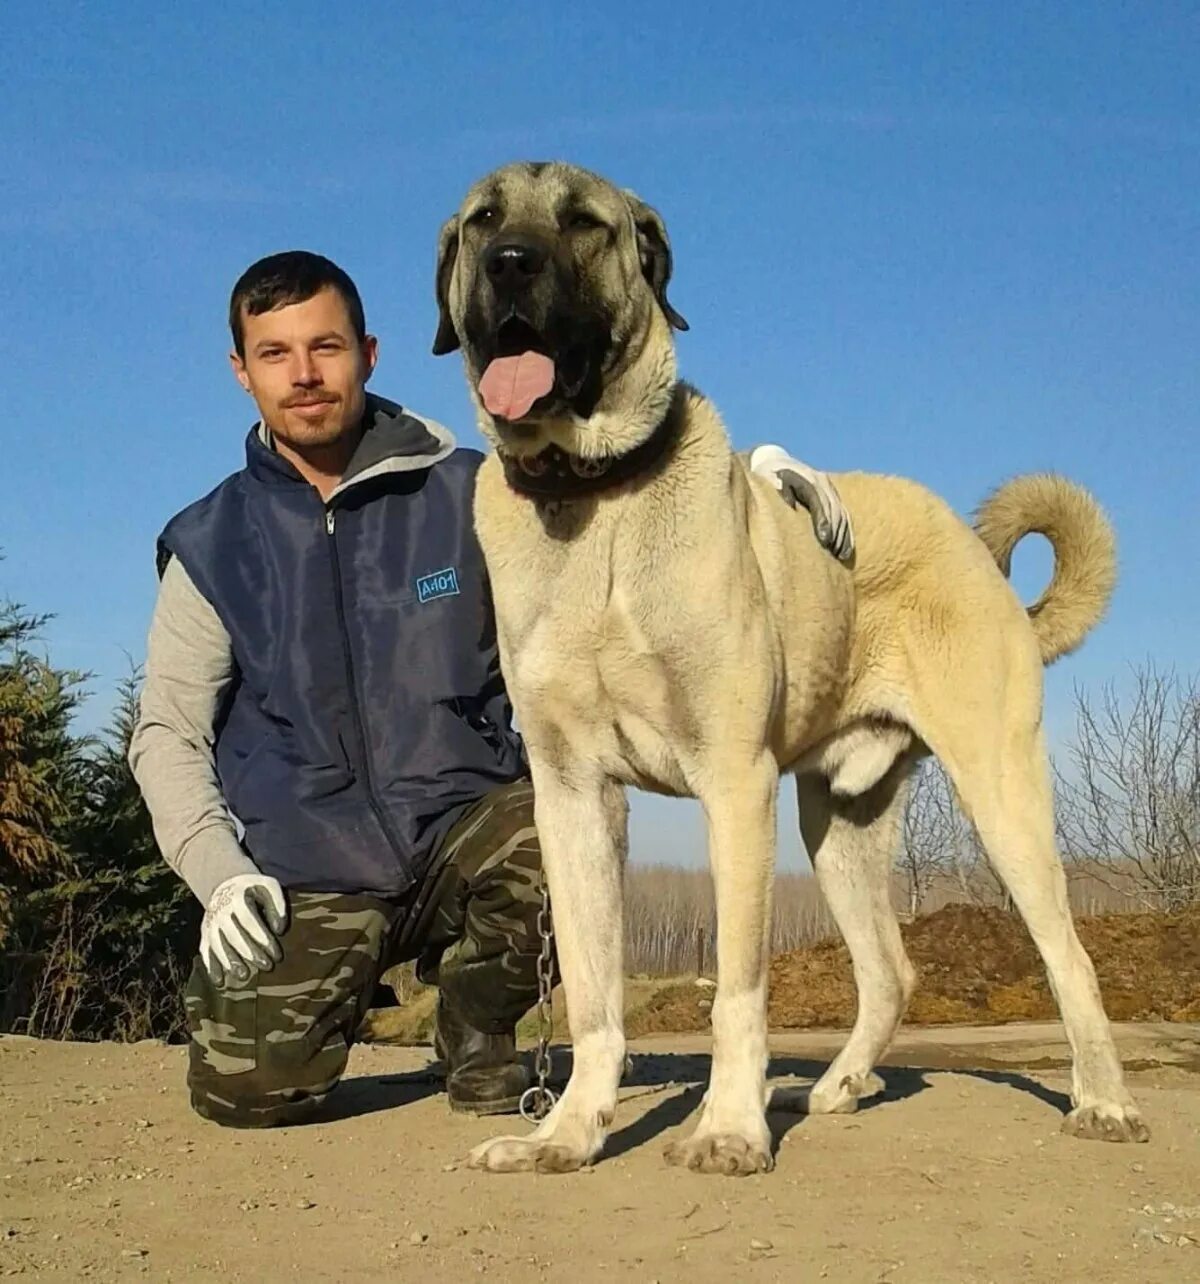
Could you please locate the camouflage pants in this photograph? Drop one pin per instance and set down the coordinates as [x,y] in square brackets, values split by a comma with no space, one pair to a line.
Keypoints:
[271,1051]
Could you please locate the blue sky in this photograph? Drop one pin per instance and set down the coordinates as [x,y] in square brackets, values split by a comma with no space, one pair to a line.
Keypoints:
[953,242]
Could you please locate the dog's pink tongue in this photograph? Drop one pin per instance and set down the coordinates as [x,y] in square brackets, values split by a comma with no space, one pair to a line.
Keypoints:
[510,385]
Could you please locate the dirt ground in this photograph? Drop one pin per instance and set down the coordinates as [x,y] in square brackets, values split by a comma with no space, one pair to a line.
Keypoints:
[958,1174]
[976,966]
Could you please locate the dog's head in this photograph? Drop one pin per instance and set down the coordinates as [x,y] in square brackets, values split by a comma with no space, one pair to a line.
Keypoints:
[553,282]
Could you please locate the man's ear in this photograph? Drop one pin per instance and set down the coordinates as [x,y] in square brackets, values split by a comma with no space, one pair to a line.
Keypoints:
[238,366]
[370,352]
[654,249]
[446,339]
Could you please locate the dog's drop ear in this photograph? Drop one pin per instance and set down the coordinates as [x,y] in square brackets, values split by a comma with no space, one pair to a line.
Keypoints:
[446,339]
[654,249]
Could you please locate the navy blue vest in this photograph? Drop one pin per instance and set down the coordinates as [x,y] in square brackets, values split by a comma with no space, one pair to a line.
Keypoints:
[368,710]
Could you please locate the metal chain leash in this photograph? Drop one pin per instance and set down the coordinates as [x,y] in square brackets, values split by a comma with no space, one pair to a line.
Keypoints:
[538,1099]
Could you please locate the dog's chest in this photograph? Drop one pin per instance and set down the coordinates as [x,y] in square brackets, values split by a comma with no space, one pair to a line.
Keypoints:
[586,645]
[588,668]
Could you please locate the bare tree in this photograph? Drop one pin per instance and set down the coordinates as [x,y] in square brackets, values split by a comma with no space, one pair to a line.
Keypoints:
[670,918]
[941,858]
[925,844]
[1130,806]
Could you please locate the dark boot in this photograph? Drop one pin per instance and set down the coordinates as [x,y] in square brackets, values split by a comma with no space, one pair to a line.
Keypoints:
[483,1075]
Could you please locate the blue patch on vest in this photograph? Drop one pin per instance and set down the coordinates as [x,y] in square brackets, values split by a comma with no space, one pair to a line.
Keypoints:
[437,584]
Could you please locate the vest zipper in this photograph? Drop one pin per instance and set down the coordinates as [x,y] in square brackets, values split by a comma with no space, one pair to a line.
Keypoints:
[352,690]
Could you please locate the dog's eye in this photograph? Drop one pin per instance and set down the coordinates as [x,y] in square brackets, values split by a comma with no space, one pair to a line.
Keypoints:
[581,220]
[484,214]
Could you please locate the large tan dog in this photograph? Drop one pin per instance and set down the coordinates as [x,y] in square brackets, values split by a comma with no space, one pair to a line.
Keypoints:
[665,621]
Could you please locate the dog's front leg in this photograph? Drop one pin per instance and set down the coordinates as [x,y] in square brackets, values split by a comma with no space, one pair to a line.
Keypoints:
[732,1136]
[582,825]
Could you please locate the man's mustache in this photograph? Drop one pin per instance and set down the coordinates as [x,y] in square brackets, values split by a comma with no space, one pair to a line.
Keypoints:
[308,399]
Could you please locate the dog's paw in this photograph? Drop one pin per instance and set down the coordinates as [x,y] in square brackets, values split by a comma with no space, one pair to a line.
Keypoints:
[524,1155]
[840,1098]
[1106,1123]
[724,1152]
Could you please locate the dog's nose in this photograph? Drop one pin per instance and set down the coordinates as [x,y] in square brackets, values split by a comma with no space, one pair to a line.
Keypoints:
[513,264]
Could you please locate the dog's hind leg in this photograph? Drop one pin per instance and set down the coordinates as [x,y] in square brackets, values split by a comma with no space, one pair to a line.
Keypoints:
[852,843]
[732,1136]
[999,767]
[581,820]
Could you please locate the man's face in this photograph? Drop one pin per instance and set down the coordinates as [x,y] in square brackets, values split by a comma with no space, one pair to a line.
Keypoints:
[306,369]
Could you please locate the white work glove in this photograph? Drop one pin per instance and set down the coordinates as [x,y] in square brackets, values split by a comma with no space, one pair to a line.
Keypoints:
[246,915]
[800,484]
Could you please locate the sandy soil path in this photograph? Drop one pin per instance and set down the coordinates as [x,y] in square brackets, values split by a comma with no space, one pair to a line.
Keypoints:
[959,1174]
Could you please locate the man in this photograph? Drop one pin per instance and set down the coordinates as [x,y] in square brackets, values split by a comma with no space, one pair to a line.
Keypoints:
[325,743]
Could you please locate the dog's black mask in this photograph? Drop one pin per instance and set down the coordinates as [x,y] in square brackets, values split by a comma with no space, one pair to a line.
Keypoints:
[525,299]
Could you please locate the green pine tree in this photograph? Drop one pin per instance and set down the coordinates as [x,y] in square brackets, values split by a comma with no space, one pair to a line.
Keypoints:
[40,764]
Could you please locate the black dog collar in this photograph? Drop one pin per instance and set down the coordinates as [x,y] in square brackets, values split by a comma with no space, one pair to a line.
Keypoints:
[555,474]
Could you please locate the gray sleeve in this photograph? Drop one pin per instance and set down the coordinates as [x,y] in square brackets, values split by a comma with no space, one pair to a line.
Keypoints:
[189,666]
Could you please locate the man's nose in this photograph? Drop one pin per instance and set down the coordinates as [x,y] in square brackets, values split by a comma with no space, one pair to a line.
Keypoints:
[513,264]
[305,371]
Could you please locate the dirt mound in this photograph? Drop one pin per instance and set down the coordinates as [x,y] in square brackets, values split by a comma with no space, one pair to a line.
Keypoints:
[976,966]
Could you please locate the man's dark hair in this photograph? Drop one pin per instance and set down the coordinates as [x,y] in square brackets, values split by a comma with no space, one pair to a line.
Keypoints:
[290,277]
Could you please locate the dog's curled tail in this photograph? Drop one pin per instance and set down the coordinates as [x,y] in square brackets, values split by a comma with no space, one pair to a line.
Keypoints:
[1085,553]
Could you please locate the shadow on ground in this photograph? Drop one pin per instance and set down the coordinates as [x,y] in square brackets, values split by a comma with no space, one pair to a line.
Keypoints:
[369,1094]
[681,1075]
[656,1072]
